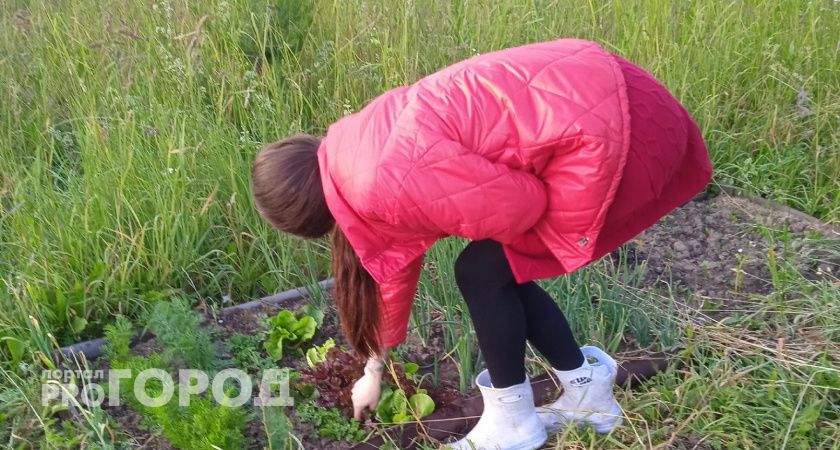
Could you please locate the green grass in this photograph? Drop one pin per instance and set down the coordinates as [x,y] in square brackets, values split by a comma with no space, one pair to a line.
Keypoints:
[127,129]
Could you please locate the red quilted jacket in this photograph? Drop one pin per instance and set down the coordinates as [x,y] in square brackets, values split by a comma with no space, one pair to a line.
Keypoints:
[527,146]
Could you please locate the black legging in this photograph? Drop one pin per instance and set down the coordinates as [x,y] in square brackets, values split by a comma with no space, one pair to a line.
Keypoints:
[505,313]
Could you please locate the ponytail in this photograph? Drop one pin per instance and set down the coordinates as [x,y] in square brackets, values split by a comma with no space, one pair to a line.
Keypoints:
[357,296]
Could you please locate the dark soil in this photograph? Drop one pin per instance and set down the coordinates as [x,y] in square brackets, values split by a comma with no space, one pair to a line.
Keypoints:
[430,353]
[702,246]
[130,423]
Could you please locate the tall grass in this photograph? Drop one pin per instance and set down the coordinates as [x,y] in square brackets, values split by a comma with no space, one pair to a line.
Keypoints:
[127,136]
[127,129]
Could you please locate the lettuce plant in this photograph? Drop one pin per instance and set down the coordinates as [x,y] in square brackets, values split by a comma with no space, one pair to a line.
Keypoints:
[286,329]
[334,378]
[397,407]
[318,354]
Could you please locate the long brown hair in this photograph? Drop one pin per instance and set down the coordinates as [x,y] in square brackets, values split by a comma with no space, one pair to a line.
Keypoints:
[357,295]
[286,184]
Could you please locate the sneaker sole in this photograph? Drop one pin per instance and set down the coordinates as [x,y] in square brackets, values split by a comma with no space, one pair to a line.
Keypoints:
[533,444]
[602,423]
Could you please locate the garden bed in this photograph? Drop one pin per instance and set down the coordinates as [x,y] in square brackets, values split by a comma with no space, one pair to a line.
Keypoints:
[712,254]
[455,412]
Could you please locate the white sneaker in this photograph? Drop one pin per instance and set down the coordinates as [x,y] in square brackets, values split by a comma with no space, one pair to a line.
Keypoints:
[587,397]
[509,420]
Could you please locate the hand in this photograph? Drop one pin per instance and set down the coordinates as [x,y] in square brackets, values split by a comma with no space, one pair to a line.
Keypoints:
[366,390]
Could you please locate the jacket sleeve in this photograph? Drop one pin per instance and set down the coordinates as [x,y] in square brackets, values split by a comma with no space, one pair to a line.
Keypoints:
[583,184]
[461,193]
[396,297]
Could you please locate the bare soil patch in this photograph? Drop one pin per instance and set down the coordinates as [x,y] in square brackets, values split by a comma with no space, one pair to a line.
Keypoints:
[719,248]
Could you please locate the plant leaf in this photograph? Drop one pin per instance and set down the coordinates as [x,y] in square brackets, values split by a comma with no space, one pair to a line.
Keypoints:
[312,358]
[305,328]
[60,304]
[410,369]
[402,417]
[274,347]
[285,320]
[400,400]
[316,313]
[383,409]
[15,347]
[318,354]
[78,324]
[422,405]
